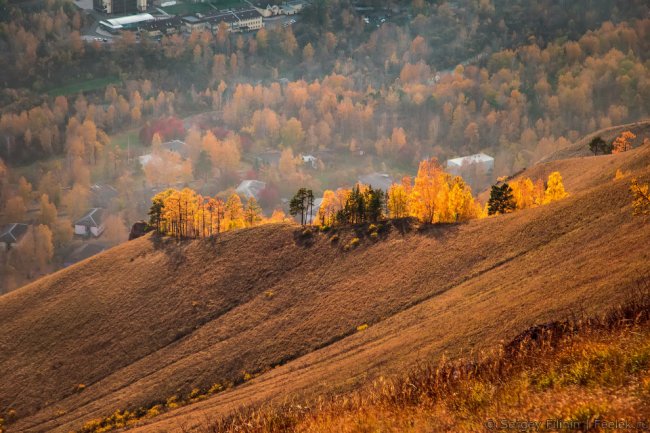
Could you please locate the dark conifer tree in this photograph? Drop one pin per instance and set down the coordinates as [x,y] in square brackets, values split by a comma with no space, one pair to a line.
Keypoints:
[501,200]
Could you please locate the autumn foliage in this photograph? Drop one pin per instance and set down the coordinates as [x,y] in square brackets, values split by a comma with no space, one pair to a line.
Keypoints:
[187,214]
[640,197]
[168,128]
[523,193]
[623,142]
[433,197]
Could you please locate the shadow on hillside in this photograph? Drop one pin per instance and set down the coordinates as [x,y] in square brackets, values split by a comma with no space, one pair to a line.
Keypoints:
[308,236]
[305,237]
[172,247]
[438,231]
[404,226]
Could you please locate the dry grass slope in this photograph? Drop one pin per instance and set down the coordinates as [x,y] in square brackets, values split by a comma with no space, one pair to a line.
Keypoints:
[148,320]
[581,147]
[573,373]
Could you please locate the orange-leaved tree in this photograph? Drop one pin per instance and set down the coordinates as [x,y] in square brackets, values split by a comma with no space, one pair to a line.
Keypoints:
[623,142]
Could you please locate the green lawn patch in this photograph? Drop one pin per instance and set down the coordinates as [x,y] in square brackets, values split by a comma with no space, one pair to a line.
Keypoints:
[123,139]
[83,86]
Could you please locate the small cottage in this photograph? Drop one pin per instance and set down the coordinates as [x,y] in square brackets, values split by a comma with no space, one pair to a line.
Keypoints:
[91,224]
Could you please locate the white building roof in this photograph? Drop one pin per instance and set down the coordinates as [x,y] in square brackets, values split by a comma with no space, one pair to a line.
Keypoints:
[131,19]
[250,188]
[145,159]
[470,159]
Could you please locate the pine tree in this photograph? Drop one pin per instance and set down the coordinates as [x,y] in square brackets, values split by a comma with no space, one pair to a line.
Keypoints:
[156,212]
[374,204]
[310,205]
[302,203]
[597,144]
[355,206]
[501,200]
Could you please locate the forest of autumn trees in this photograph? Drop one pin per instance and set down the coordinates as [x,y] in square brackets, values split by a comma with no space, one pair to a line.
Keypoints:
[517,104]
[515,79]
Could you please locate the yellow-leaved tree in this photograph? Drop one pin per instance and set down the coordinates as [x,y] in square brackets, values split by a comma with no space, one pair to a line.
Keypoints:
[398,199]
[328,209]
[430,183]
[640,197]
[554,188]
[527,193]
[234,213]
[461,205]
[437,197]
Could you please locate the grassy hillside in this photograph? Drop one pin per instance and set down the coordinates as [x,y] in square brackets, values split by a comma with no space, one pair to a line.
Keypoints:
[148,320]
[581,147]
[573,375]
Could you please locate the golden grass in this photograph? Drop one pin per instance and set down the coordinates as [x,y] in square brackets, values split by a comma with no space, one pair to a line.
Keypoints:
[152,319]
[563,374]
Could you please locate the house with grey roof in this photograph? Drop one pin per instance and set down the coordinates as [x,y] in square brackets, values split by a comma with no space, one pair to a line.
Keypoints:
[250,188]
[176,146]
[102,195]
[456,165]
[477,170]
[91,224]
[12,234]
[381,181]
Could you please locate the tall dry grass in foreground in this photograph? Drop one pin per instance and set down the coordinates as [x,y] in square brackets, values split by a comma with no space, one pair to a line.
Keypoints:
[572,373]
